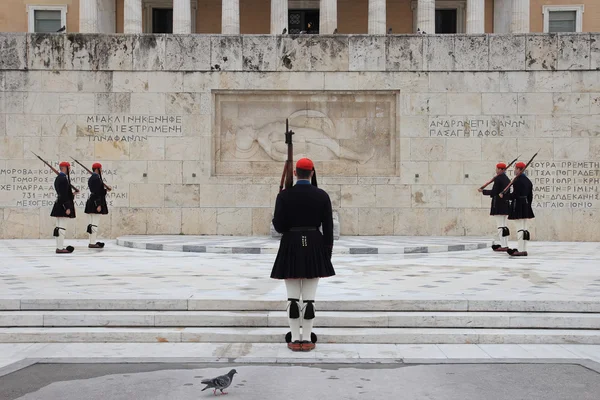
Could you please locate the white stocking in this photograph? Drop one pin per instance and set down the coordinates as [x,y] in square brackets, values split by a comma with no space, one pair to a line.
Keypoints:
[522,226]
[500,223]
[309,290]
[94,221]
[293,287]
[60,239]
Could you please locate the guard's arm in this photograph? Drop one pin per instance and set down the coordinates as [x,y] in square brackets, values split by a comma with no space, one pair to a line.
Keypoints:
[279,222]
[327,222]
[64,192]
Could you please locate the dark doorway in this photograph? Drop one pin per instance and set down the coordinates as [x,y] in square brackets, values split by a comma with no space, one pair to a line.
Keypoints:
[445,21]
[162,20]
[303,21]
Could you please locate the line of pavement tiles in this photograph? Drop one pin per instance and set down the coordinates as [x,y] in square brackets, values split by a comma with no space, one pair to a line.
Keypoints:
[276,335]
[408,319]
[18,356]
[417,303]
[193,248]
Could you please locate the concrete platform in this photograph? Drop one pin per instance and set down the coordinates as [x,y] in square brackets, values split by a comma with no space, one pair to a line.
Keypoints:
[458,380]
[268,245]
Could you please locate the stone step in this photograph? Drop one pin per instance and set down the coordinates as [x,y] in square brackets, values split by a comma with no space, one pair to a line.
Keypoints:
[279,319]
[443,303]
[276,335]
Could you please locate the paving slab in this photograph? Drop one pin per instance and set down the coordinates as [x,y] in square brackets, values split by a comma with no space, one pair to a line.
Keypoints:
[269,245]
[560,277]
[458,381]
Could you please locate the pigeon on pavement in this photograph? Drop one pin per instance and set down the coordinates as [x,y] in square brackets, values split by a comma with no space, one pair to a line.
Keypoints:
[220,382]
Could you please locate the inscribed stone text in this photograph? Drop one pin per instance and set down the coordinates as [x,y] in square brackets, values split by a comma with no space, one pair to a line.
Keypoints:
[565,184]
[477,127]
[35,187]
[131,128]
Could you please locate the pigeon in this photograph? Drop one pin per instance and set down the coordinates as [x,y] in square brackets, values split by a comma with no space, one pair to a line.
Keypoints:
[303,32]
[64,28]
[419,31]
[220,382]
[335,31]
[390,31]
[284,31]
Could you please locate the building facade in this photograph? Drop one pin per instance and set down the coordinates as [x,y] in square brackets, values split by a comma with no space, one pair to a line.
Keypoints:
[310,16]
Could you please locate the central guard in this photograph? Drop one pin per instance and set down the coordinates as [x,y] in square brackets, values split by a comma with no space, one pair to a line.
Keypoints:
[304,254]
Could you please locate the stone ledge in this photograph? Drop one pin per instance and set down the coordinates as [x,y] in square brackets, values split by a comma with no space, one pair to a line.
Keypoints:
[267,245]
[299,53]
[276,335]
[419,303]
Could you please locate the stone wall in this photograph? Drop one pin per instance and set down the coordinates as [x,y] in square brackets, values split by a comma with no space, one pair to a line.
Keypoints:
[403,128]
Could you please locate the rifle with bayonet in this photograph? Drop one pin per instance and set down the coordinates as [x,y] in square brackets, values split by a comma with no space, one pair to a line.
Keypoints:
[54,169]
[492,180]
[91,172]
[513,179]
[287,178]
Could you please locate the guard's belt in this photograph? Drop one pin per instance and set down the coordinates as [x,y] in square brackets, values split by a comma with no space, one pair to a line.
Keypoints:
[303,229]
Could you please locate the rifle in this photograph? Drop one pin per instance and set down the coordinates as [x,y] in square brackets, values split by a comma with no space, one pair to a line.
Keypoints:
[513,179]
[492,180]
[86,168]
[55,170]
[287,178]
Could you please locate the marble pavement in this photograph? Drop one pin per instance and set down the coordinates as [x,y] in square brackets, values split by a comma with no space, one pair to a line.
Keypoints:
[555,275]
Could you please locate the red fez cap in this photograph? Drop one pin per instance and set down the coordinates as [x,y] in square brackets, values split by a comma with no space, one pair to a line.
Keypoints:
[520,165]
[64,164]
[305,163]
[501,165]
[97,166]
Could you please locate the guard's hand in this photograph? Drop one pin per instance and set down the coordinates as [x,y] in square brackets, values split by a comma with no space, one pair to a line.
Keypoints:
[480,190]
[76,191]
[68,212]
[99,208]
[501,195]
[109,189]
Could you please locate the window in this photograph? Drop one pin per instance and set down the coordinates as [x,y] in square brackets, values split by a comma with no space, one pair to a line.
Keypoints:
[563,18]
[303,21]
[46,19]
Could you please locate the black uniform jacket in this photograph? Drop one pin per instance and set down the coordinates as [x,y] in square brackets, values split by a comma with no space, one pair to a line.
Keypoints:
[65,198]
[303,251]
[97,196]
[500,206]
[522,197]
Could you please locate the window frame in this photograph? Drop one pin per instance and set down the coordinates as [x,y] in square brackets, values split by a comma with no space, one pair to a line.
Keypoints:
[32,8]
[578,8]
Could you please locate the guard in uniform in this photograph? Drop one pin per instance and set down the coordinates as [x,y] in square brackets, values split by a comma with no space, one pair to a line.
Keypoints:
[304,253]
[96,205]
[64,207]
[520,210]
[500,207]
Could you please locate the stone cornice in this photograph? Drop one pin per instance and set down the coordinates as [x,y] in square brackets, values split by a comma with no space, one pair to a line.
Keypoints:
[304,53]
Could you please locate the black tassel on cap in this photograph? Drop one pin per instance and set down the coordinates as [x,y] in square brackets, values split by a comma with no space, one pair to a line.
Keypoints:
[314,178]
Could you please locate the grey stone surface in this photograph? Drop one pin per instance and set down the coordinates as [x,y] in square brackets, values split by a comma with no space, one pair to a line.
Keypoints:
[163,381]
[439,53]
[13,51]
[188,53]
[45,51]
[507,52]
[259,53]
[471,53]
[542,52]
[367,53]
[595,51]
[404,53]
[226,53]
[149,52]
[574,51]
